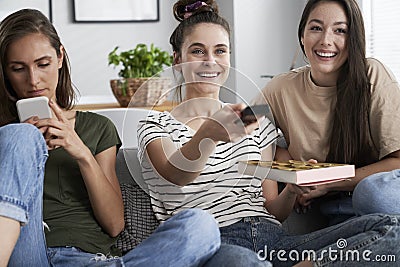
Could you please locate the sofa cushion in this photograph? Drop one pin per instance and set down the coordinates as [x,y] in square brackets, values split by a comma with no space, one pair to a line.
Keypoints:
[140,221]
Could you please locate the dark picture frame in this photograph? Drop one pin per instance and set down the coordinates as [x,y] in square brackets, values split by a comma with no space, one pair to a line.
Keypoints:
[8,7]
[95,11]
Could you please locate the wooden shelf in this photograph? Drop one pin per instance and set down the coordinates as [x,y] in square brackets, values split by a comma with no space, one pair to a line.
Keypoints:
[166,106]
[96,106]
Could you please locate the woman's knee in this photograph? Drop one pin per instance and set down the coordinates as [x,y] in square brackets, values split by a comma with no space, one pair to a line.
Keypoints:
[22,138]
[198,231]
[378,193]
[232,255]
[201,221]
[18,132]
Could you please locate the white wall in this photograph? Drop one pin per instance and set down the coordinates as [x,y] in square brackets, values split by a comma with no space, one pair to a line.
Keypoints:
[9,6]
[226,10]
[265,41]
[88,45]
[263,37]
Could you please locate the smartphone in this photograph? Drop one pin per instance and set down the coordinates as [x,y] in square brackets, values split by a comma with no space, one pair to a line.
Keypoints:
[251,113]
[35,106]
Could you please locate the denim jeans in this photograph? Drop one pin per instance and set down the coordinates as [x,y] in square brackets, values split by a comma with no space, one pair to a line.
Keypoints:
[23,154]
[236,256]
[338,208]
[226,255]
[180,241]
[378,193]
[188,239]
[371,237]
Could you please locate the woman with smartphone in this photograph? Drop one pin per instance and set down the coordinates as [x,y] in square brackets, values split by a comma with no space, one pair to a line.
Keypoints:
[67,163]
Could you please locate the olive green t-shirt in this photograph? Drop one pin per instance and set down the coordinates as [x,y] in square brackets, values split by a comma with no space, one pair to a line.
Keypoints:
[66,206]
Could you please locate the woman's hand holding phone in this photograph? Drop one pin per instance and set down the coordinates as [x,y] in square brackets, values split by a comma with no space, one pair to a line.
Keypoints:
[61,133]
[31,110]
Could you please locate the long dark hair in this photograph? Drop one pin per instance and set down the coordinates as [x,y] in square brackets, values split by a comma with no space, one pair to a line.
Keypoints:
[350,136]
[14,27]
[190,13]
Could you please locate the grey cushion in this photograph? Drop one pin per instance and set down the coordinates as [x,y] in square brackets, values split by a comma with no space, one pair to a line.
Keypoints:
[140,220]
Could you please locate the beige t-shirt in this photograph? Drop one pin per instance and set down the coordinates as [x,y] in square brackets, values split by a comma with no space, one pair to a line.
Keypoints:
[304,112]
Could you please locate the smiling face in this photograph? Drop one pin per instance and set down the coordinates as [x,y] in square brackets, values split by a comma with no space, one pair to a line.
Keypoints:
[32,66]
[325,42]
[205,60]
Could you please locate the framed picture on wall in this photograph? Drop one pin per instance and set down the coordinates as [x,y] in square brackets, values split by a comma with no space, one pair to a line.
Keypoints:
[116,10]
[9,6]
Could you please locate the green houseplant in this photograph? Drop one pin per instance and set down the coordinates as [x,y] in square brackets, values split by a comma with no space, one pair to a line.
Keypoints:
[138,65]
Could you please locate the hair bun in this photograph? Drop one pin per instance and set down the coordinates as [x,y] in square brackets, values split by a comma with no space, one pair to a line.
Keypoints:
[183,9]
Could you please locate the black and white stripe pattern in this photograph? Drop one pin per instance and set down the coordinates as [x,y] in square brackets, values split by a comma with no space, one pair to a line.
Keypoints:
[219,189]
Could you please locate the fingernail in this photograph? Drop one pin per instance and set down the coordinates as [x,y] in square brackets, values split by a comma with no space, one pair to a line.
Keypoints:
[51,101]
[35,118]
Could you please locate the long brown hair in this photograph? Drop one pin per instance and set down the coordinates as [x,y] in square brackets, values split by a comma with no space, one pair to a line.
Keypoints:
[190,13]
[17,25]
[350,136]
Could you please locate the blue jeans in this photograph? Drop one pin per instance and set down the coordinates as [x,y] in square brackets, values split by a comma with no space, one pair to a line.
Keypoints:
[188,239]
[236,256]
[227,255]
[337,208]
[375,235]
[378,193]
[180,241]
[23,154]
